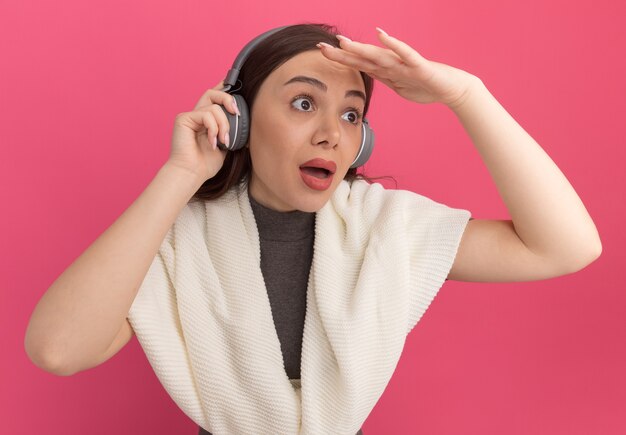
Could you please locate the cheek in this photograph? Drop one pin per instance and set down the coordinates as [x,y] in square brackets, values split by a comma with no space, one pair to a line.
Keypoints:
[269,155]
[276,139]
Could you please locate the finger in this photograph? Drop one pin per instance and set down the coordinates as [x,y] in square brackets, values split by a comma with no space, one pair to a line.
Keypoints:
[201,122]
[222,123]
[212,128]
[383,57]
[405,51]
[213,96]
[348,59]
[207,98]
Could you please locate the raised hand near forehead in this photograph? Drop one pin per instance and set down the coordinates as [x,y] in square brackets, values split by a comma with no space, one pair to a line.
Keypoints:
[403,69]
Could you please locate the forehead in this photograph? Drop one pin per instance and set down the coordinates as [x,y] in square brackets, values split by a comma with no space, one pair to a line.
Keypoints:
[314,63]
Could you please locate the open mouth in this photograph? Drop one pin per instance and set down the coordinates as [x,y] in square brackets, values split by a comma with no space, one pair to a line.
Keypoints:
[318,173]
[315,172]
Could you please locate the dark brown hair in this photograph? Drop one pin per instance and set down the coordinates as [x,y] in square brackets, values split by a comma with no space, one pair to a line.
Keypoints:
[265,58]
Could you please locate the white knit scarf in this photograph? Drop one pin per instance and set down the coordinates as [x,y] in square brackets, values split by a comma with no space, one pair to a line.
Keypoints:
[204,321]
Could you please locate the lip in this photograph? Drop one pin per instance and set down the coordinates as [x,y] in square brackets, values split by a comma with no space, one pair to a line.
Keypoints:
[329,165]
[318,183]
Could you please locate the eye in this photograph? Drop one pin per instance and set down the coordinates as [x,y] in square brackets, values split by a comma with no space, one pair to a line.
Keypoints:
[355,115]
[302,102]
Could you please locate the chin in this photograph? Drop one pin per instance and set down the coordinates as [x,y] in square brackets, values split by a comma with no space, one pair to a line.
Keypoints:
[311,206]
[316,202]
[310,203]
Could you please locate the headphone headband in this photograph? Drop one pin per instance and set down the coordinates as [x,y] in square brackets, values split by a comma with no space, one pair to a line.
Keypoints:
[233,73]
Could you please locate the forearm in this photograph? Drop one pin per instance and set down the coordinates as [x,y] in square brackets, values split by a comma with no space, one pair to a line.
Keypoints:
[79,315]
[548,215]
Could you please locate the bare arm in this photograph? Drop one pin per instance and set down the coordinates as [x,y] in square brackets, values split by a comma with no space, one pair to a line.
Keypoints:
[80,321]
[80,315]
[551,232]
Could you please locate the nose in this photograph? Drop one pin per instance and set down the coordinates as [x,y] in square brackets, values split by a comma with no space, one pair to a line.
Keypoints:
[328,132]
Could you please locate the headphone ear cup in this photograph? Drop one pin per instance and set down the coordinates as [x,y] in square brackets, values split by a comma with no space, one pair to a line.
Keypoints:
[239,125]
[367,145]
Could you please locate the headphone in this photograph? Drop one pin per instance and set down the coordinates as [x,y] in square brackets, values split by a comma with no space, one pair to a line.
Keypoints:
[240,124]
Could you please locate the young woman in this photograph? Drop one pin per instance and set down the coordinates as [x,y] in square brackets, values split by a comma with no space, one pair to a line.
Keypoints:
[270,285]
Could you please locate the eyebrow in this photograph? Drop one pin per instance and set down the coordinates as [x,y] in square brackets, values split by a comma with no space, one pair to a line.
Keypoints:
[318,84]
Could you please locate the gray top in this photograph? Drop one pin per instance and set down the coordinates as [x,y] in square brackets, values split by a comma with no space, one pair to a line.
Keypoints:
[286,240]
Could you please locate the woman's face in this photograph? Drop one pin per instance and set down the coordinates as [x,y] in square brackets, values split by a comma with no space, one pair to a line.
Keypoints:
[304,110]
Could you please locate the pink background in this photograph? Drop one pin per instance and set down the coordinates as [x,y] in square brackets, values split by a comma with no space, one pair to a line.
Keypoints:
[88,96]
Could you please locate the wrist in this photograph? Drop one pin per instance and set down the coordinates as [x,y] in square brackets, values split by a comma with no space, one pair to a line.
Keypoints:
[182,175]
[473,85]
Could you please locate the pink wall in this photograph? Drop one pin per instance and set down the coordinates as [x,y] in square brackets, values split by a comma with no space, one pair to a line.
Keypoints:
[88,96]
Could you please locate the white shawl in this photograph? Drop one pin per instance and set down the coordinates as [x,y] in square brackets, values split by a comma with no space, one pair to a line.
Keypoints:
[204,321]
